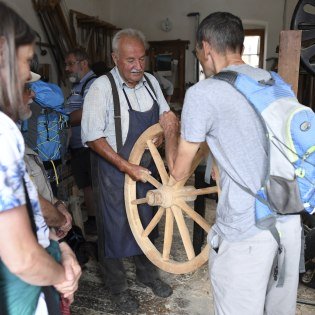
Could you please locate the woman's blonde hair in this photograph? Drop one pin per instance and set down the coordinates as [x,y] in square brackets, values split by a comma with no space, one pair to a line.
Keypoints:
[14,32]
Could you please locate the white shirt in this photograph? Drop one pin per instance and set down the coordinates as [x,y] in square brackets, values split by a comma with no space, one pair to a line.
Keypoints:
[98,108]
[12,171]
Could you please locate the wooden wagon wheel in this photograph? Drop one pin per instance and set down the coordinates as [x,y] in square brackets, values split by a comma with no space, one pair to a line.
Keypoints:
[172,202]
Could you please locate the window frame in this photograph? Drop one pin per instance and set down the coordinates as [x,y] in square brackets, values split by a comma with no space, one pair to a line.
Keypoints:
[261,33]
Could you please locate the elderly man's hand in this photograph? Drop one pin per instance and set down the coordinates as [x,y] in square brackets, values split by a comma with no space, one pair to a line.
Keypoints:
[137,173]
[169,122]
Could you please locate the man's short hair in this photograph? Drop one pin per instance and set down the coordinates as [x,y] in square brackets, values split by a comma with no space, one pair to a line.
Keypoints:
[127,32]
[79,53]
[223,31]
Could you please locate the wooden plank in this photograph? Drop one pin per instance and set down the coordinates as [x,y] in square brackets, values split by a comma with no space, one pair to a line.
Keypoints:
[289,57]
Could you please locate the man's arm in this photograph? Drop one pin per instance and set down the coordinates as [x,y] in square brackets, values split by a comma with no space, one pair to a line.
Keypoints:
[52,216]
[185,154]
[179,152]
[170,125]
[21,253]
[75,117]
[102,147]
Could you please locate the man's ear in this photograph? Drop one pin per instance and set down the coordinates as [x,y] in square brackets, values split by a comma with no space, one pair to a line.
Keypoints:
[85,63]
[242,51]
[206,49]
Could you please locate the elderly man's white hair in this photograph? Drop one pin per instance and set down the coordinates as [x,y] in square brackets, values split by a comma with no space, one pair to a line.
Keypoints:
[127,32]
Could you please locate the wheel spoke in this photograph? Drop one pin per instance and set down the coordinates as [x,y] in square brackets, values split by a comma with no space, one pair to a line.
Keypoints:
[155,220]
[139,201]
[194,215]
[183,230]
[158,162]
[151,180]
[168,235]
[201,191]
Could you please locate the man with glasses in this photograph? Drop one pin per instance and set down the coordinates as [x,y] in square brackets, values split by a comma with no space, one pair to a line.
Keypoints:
[81,76]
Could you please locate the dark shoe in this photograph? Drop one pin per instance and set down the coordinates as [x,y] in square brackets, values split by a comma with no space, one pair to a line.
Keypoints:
[125,301]
[159,288]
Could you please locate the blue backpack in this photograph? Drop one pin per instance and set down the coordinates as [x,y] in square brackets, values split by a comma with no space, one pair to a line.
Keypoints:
[46,131]
[289,183]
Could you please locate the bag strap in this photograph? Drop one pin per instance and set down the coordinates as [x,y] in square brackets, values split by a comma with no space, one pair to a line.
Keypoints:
[117,114]
[29,209]
[150,84]
[93,76]
[51,295]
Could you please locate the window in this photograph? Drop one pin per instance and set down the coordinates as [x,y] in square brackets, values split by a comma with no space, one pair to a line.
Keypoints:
[254,47]
[253,54]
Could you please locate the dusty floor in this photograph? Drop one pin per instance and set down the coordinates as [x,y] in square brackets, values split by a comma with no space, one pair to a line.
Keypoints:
[191,296]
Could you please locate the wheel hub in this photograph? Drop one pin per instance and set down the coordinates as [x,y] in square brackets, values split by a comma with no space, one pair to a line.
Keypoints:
[166,196]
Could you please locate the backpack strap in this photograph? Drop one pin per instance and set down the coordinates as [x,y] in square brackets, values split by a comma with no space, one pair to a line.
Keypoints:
[117,114]
[150,84]
[93,76]
[227,76]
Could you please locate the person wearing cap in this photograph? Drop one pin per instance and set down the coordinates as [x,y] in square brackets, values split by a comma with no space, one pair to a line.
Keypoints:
[54,211]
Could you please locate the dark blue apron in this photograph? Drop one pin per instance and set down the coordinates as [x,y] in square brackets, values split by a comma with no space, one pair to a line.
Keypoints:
[115,236]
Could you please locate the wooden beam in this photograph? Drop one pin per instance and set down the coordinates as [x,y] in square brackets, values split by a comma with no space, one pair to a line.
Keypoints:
[289,57]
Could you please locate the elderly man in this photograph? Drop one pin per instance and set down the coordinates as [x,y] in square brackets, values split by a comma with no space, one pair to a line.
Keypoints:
[81,76]
[242,256]
[140,101]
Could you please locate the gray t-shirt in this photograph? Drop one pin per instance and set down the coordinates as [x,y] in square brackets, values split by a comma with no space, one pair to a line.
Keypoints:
[215,112]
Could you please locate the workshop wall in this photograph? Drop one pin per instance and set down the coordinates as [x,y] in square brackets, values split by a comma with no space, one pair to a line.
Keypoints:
[147,16]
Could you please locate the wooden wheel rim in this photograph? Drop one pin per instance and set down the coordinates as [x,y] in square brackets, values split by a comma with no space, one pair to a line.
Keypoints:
[148,248]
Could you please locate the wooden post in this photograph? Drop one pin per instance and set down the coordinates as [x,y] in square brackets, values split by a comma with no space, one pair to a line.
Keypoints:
[289,57]
[75,201]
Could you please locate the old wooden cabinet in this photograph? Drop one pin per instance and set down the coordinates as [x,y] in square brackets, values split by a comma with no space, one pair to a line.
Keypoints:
[175,49]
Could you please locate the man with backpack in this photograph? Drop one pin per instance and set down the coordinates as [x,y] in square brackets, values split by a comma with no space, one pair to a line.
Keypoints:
[45,131]
[81,76]
[252,270]
[54,211]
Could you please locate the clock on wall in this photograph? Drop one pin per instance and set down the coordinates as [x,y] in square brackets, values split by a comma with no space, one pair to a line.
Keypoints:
[166,25]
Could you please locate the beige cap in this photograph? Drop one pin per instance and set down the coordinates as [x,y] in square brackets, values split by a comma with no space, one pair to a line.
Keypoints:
[34,77]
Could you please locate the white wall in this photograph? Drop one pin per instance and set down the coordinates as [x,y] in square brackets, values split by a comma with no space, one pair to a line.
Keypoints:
[147,15]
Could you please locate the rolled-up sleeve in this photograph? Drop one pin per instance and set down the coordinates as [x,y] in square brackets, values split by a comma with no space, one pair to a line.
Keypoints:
[95,110]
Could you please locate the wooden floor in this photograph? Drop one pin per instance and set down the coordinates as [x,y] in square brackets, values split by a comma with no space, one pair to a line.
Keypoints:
[192,292]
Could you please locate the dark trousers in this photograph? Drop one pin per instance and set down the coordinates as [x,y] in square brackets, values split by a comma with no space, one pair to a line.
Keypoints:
[115,274]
